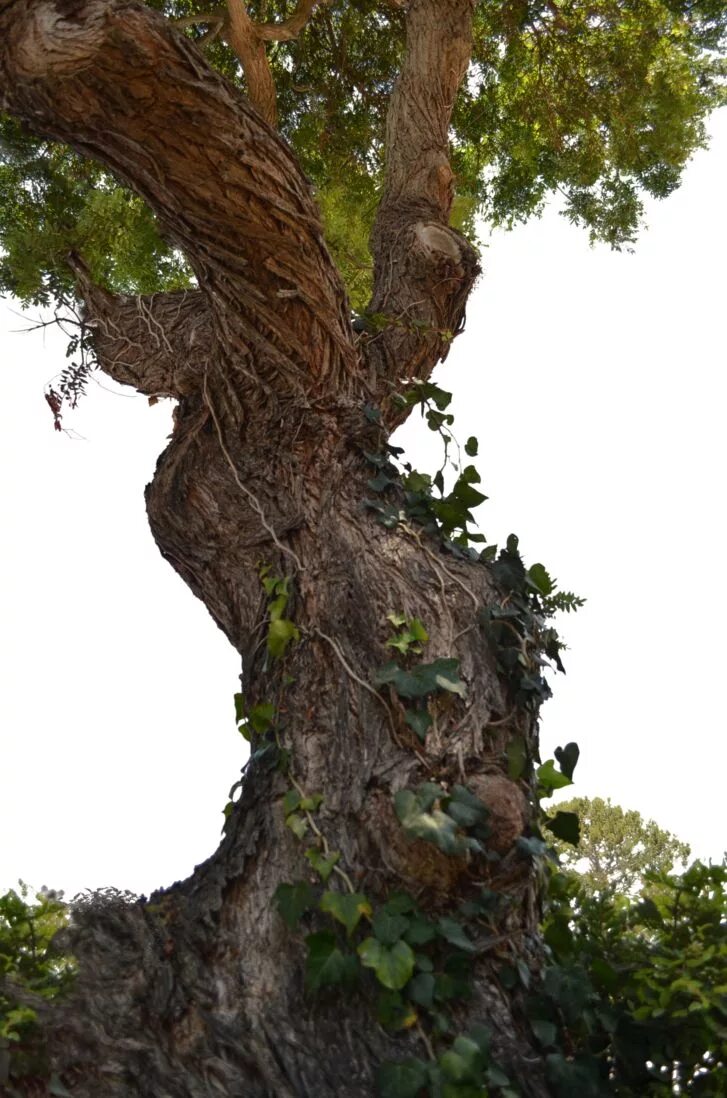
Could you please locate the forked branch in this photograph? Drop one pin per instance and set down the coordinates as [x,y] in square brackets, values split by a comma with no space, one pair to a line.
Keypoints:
[247,40]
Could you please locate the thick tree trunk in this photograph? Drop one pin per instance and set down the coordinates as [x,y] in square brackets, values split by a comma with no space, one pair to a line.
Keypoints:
[200,990]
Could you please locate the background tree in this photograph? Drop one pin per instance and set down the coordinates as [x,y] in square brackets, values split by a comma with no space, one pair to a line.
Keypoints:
[640,983]
[381,869]
[618,846]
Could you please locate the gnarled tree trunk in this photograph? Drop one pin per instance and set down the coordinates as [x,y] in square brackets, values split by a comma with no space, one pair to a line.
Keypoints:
[200,991]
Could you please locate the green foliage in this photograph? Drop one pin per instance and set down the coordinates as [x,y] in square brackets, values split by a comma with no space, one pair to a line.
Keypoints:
[29,963]
[635,1001]
[281,630]
[599,101]
[423,679]
[618,846]
[443,819]
[52,202]
[410,635]
[347,907]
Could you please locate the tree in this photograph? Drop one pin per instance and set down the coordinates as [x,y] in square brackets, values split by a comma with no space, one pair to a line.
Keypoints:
[619,847]
[381,869]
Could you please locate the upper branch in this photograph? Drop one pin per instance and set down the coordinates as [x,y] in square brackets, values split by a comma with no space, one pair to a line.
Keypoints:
[115,81]
[423,270]
[247,39]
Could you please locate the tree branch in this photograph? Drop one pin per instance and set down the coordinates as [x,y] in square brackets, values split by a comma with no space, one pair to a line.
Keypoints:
[244,38]
[290,27]
[423,270]
[159,343]
[247,40]
[116,82]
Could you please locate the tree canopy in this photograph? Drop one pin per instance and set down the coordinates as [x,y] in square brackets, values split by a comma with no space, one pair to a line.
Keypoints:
[619,847]
[599,102]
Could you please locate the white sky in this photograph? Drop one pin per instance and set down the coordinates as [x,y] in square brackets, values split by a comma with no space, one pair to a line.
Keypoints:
[595,382]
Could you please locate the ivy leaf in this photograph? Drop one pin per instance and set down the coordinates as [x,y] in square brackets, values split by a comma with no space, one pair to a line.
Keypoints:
[261,717]
[454,933]
[577,1078]
[393,965]
[465,808]
[320,863]
[312,803]
[291,801]
[399,903]
[297,824]
[57,1089]
[550,779]
[348,908]
[397,620]
[388,928]
[565,826]
[531,845]
[240,708]
[394,1012]
[540,580]
[325,964]
[545,1031]
[405,1079]
[293,900]
[567,757]
[435,827]
[420,931]
[426,678]
[421,989]
[517,757]
[464,1062]
[419,721]
[281,632]
[470,446]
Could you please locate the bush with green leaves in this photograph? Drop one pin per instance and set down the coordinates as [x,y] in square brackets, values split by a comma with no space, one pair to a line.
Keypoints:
[31,971]
[634,1002]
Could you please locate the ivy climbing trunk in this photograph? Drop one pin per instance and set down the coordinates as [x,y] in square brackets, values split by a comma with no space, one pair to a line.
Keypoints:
[259,503]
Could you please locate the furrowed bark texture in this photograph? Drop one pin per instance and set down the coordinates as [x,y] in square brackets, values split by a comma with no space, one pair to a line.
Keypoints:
[199,991]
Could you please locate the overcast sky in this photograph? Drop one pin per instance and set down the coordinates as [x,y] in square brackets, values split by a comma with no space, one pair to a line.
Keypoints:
[595,382]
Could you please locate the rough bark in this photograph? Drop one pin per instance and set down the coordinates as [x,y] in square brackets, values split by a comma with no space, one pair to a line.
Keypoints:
[199,991]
